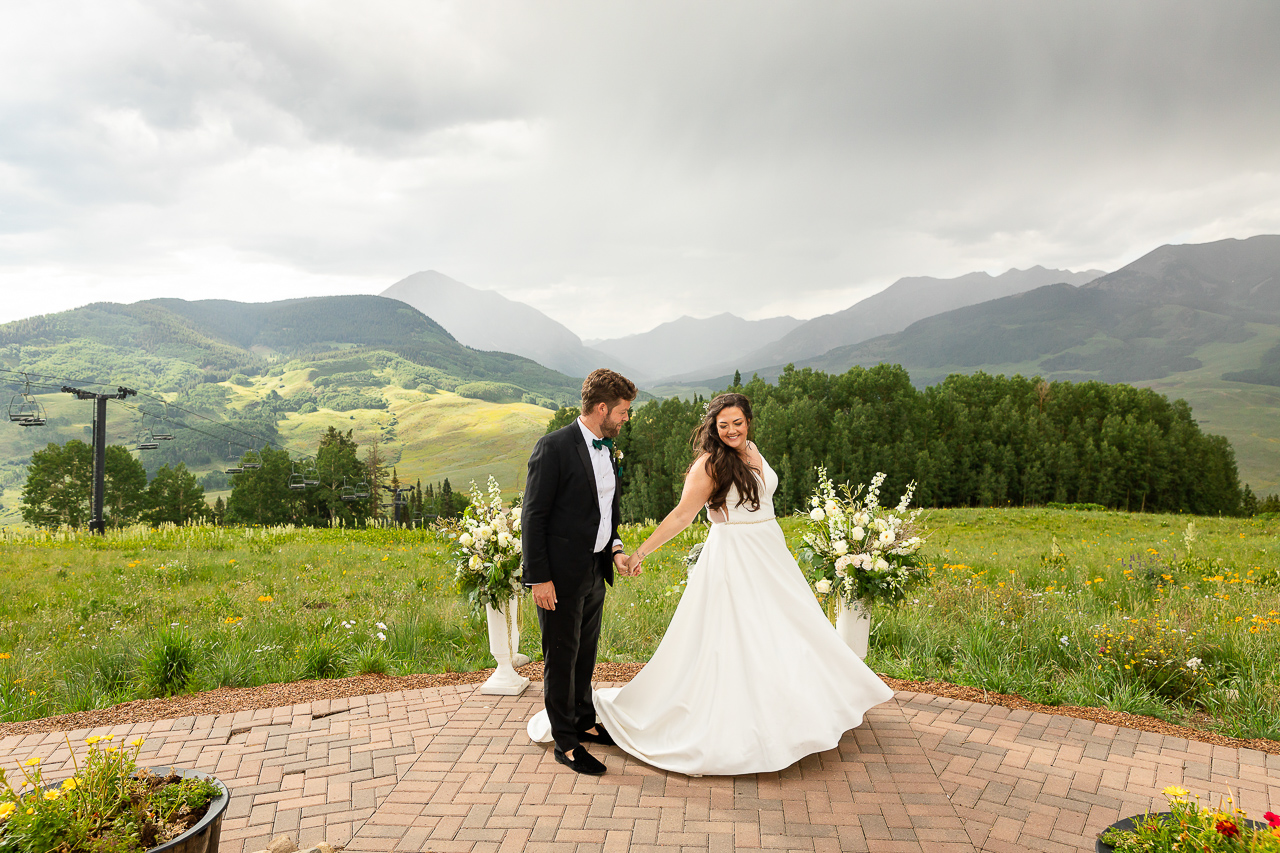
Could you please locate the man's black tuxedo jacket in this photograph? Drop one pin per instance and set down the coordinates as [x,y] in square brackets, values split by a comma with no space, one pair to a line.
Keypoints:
[561,514]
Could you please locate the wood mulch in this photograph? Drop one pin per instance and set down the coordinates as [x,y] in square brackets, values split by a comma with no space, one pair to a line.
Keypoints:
[226,700]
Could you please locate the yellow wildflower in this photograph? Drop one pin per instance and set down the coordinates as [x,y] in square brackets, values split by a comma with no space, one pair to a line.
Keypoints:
[33,761]
[1175,791]
[70,784]
[52,794]
[7,809]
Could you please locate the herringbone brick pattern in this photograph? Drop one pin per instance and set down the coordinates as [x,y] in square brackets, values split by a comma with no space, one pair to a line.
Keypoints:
[449,769]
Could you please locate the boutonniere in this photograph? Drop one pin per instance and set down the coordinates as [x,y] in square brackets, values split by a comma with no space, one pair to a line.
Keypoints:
[617,453]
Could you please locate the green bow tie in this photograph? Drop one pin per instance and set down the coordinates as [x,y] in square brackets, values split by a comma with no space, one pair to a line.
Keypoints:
[598,443]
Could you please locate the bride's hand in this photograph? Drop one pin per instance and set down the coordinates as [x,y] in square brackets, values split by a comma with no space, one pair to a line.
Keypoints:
[633,566]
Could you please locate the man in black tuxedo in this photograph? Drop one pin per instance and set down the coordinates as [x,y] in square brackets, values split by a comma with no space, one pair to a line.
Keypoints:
[569,541]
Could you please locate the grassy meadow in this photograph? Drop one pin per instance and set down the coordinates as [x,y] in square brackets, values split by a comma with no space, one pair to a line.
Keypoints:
[1119,610]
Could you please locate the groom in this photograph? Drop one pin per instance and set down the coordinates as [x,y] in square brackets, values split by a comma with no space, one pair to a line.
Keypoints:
[569,539]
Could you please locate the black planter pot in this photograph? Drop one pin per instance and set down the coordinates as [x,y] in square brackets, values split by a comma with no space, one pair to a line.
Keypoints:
[203,837]
[1131,823]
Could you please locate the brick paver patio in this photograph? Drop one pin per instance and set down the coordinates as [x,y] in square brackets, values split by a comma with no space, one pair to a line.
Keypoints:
[449,769]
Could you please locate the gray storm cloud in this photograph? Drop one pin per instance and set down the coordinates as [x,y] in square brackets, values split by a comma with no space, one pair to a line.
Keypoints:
[759,158]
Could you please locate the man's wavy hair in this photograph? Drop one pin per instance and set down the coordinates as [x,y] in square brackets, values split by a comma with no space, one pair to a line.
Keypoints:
[608,387]
[724,465]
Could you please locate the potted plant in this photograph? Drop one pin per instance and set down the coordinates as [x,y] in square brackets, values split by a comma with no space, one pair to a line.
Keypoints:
[1188,826]
[488,574]
[110,804]
[858,551]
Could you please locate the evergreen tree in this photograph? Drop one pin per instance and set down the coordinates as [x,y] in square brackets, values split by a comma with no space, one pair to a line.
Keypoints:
[174,496]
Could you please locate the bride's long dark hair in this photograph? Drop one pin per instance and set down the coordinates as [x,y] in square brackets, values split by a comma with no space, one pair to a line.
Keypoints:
[725,466]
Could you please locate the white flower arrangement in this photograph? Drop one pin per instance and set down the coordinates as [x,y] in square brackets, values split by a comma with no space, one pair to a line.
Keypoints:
[487,557]
[856,549]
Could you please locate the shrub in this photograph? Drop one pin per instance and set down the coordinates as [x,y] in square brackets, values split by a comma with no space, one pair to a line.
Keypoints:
[169,663]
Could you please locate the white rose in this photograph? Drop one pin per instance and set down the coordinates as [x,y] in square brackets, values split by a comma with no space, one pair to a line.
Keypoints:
[817,514]
[474,562]
[858,534]
[465,540]
[823,586]
[840,547]
[843,564]
[518,546]
[504,539]
[861,519]
[881,565]
[483,533]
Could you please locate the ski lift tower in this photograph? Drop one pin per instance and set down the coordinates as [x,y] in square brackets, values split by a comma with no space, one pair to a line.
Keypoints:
[96,522]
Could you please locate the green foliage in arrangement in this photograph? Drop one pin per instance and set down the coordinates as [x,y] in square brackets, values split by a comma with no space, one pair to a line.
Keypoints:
[975,440]
[1026,601]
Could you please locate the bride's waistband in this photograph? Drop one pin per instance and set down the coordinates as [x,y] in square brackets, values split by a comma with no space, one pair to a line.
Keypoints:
[752,521]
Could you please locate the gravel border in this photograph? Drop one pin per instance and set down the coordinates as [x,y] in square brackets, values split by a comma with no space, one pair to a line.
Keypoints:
[227,700]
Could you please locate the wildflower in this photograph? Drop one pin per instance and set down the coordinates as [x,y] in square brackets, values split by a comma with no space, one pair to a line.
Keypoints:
[1273,820]
[4,655]
[1175,791]
[265,599]
[382,636]
[33,761]
[1193,664]
[92,739]
[7,809]
[138,742]
[52,794]
[1227,827]
[70,784]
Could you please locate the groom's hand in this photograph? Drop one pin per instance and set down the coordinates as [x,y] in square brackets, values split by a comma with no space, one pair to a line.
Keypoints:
[622,563]
[544,595]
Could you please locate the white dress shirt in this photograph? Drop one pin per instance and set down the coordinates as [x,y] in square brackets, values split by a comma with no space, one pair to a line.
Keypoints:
[606,485]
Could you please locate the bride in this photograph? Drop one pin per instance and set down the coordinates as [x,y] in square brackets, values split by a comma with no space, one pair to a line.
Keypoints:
[750,676]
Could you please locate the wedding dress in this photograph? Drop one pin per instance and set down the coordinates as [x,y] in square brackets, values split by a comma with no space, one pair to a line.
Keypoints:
[750,676]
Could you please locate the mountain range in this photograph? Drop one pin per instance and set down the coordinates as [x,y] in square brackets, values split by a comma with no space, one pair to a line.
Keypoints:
[1200,322]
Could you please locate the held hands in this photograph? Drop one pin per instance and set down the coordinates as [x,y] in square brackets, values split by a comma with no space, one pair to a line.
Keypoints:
[622,563]
[631,568]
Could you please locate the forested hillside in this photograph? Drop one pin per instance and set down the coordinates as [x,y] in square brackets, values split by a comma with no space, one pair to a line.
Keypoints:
[976,440]
[223,377]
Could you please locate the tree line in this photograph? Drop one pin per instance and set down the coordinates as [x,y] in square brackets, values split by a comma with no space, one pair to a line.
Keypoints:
[351,491]
[971,440]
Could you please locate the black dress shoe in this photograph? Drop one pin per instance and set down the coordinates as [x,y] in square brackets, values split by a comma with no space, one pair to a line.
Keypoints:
[602,737]
[582,762]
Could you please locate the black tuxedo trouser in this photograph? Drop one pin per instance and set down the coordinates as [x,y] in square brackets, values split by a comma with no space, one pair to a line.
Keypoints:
[570,635]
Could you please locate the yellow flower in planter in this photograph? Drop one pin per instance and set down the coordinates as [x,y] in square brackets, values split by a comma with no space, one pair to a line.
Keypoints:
[7,809]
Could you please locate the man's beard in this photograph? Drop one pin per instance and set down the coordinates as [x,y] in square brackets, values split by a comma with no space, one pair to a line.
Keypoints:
[610,428]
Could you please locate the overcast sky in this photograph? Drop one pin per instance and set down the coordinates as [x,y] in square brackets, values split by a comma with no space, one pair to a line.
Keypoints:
[617,165]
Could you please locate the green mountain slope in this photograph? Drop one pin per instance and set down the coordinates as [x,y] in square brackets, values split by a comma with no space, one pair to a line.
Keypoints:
[236,374]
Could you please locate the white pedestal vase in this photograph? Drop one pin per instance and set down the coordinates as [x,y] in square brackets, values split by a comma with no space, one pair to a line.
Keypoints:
[853,624]
[504,639]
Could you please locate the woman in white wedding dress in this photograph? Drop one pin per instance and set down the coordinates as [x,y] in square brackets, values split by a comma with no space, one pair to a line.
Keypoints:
[750,676]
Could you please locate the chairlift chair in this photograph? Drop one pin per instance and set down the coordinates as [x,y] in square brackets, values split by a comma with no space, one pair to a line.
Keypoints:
[310,473]
[164,434]
[26,410]
[251,460]
[348,493]
[295,479]
[234,467]
[362,490]
[147,441]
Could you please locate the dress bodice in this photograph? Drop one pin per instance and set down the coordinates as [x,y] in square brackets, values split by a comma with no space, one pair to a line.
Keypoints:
[744,514]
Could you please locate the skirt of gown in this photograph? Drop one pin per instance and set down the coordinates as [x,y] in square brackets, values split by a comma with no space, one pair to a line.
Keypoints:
[750,676]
